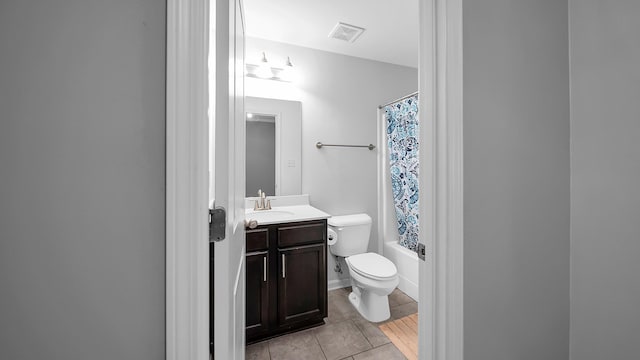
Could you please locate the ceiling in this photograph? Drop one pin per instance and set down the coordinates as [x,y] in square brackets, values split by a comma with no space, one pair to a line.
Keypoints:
[391,26]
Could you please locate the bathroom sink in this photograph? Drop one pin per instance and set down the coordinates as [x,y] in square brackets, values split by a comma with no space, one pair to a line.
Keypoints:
[269,216]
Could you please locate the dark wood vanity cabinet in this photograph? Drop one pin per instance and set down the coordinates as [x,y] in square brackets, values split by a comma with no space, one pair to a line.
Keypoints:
[301,293]
[286,278]
[257,282]
[257,305]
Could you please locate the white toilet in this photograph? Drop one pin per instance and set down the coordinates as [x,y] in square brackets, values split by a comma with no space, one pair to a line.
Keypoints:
[373,277]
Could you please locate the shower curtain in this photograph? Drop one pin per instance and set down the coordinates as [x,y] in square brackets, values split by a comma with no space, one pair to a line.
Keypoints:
[402,141]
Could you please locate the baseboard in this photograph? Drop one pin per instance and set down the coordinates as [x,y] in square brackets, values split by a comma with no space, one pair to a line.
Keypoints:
[409,288]
[338,284]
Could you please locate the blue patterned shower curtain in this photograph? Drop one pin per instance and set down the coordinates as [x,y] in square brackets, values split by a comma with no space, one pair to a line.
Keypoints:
[402,140]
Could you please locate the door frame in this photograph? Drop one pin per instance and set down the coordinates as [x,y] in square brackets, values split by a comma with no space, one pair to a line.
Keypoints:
[441,333]
[187,251]
[187,182]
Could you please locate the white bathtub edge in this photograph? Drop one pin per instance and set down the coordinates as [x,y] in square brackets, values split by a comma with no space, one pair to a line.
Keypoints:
[409,288]
[407,263]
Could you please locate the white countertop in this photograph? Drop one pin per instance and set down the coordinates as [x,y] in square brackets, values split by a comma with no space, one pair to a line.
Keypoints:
[282,214]
[299,210]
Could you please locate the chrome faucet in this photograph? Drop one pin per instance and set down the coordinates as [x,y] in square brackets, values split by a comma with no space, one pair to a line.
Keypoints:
[263,203]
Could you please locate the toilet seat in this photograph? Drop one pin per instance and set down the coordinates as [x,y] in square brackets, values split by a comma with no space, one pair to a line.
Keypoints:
[373,266]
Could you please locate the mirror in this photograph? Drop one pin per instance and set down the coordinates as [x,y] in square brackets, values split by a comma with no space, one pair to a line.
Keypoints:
[261,153]
[273,146]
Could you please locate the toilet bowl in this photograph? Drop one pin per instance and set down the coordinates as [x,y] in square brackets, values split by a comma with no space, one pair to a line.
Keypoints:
[373,277]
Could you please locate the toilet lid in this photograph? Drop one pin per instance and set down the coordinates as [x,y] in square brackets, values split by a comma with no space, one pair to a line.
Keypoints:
[373,265]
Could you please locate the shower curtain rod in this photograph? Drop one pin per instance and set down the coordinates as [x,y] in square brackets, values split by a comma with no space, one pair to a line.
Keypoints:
[397,100]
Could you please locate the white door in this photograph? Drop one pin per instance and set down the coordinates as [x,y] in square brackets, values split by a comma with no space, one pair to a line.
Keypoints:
[227,154]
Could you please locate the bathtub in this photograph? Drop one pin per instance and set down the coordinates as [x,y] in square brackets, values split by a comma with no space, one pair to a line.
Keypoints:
[407,263]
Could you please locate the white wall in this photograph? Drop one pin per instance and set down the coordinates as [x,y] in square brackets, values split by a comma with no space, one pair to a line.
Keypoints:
[516,180]
[82,164]
[605,179]
[340,96]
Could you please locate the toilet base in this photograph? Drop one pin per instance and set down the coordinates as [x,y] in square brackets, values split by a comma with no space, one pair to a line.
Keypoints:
[372,307]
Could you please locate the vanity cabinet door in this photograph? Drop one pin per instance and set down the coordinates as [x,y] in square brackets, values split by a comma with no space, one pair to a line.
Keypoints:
[257,294]
[302,284]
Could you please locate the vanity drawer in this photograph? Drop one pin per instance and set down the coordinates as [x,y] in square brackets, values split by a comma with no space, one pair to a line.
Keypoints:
[302,234]
[257,239]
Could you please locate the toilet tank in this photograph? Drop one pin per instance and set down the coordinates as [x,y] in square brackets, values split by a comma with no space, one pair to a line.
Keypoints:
[352,233]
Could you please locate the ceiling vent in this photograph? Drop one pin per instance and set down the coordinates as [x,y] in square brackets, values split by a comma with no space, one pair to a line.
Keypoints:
[346,32]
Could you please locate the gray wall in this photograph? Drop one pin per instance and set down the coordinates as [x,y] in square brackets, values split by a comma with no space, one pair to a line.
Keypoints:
[605,179]
[516,179]
[340,97]
[261,157]
[82,99]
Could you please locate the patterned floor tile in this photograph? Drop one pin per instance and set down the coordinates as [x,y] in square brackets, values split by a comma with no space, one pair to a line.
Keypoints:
[340,340]
[384,352]
[297,346]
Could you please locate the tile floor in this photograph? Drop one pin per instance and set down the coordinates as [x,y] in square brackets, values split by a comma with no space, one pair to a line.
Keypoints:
[345,335]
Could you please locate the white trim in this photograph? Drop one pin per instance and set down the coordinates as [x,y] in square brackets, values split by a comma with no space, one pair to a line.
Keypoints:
[454,293]
[441,331]
[187,260]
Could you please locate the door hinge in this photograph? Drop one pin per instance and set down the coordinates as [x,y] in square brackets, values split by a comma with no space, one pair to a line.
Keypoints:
[421,251]
[217,224]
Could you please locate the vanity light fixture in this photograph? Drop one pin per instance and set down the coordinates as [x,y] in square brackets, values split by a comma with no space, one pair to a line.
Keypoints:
[264,70]
[288,72]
